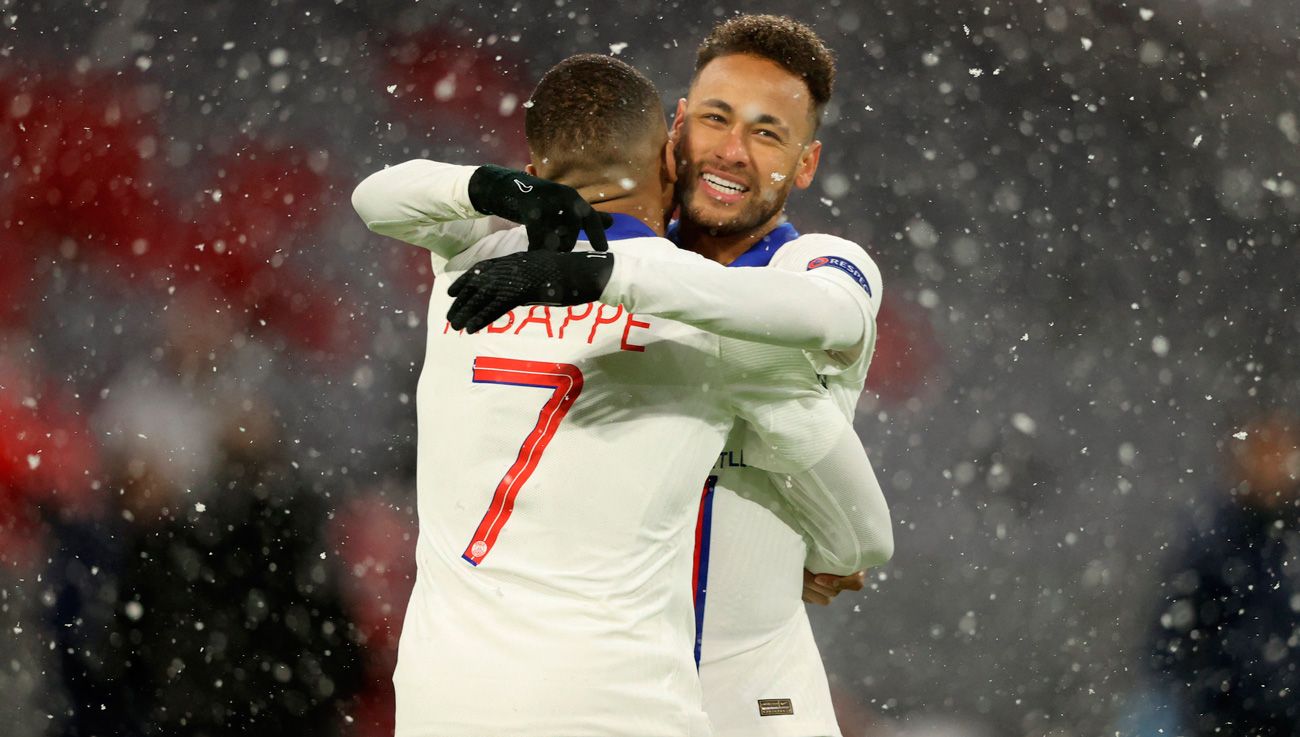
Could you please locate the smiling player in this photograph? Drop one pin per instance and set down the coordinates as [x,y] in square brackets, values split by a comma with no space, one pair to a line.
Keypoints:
[745,139]
[562,451]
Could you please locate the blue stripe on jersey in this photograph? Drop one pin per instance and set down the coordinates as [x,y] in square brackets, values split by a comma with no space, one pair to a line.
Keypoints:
[759,254]
[625,226]
[704,530]
[508,383]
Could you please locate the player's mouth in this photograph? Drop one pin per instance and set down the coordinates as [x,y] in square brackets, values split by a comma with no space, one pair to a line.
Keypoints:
[720,188]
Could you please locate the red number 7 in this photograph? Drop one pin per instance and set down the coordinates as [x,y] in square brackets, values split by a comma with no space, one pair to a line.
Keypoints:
[565,382]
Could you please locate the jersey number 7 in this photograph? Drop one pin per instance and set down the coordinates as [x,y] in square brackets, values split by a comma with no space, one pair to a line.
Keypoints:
[565,382]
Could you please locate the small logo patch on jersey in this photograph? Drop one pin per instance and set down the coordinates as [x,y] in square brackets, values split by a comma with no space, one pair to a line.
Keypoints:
[836,262]
[775,708]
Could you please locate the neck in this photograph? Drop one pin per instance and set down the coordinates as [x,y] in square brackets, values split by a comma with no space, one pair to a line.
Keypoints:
[612,198]
[720,247]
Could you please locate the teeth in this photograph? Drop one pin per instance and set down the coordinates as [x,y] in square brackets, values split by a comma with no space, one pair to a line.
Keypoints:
[723,184]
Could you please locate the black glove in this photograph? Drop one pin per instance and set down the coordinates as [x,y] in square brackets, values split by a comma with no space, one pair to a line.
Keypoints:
[553,213]
[494,287]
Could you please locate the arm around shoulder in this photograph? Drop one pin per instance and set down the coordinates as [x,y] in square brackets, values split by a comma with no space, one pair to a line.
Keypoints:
[764,305]
[842,507]
[846,266]
[424,203]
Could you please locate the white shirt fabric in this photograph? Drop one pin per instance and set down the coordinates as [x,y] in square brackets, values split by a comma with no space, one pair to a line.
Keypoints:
[427,204]
[577,618]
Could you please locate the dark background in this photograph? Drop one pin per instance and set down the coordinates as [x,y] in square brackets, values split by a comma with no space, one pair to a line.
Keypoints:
[1085,213]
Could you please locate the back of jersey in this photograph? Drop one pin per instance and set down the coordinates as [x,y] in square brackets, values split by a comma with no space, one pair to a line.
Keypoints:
[562,453]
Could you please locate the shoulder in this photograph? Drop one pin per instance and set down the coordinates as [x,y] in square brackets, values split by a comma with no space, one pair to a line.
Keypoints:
[500,243]
[651,248]
[821,250]
[805,248]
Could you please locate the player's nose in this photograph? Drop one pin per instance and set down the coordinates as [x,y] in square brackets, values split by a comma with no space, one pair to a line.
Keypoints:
[731,148]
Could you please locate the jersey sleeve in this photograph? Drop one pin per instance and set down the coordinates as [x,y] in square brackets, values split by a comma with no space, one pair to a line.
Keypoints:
[840,505]
[851,270]
[424,203]
[795,431]
[776,307]
[776,394]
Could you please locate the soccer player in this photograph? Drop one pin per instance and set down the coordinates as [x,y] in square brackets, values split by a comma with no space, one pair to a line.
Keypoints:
[745,137]
[750,120]
[562,451]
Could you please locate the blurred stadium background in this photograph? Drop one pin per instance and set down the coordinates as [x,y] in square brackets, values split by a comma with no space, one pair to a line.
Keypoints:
[1086,213]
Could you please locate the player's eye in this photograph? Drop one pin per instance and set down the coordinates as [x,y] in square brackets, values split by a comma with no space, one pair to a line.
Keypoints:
[768,133]
[713,118]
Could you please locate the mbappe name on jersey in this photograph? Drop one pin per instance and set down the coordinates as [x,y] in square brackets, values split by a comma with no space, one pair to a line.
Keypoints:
[581,322]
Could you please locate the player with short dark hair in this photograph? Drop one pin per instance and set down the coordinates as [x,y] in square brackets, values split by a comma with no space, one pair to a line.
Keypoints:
[745,139]
[562,451]
[580,135]
[786,41]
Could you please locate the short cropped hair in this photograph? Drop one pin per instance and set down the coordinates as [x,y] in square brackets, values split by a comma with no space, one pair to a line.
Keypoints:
[588,109]
[785,41]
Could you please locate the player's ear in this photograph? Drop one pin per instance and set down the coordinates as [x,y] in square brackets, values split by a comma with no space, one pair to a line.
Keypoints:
[808,160]
[679,118]
[670,161]
[530,169]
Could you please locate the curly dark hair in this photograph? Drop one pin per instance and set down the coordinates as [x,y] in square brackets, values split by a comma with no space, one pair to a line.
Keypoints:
[587,109]
[786,41]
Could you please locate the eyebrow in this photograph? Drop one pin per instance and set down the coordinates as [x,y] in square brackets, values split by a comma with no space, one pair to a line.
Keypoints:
[763,119]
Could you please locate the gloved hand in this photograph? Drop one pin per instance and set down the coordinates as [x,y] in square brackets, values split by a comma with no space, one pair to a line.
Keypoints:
[494,287]
[552,213]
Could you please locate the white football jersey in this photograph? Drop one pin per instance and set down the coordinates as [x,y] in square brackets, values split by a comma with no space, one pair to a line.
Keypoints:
[758,642]
[761,672]
[562,457]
